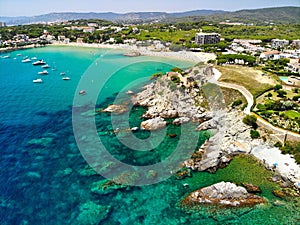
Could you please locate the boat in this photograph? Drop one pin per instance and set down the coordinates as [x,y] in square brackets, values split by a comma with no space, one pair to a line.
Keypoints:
[62,73]
[34,58]
[43,72]
[66,78]
[26,60]
[19,54]
[39,80]
[6,57]
[45,66]
[39,62]
[82,92]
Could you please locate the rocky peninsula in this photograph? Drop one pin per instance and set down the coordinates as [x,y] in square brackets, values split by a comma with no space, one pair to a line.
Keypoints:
[188,96]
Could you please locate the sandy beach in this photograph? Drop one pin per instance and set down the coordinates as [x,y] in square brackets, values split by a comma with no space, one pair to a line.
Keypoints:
[182,55]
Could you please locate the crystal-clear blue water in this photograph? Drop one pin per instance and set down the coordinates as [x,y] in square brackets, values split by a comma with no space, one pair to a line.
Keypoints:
[45,179]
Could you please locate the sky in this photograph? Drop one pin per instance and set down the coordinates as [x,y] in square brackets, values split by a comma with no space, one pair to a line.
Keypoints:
[38,7]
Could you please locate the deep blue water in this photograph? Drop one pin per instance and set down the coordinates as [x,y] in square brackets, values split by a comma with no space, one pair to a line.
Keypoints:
[45,179]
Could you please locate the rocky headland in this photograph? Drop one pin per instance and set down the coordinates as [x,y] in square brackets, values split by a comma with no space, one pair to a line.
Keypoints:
[186,96]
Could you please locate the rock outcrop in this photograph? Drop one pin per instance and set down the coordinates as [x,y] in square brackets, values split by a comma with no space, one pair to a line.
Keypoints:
[168,99]
[153,124]
[224,194]
[133,54]
[117,109]
[181,120]
[232,138]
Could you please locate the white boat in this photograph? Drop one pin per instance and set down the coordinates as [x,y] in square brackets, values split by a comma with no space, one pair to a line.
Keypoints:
[66,78]
[43,72]
[26,60]
[19,54]
[39,62]
[82,92]
[34,58]
[38,81]
[45,66]
[62,73]
[6,57]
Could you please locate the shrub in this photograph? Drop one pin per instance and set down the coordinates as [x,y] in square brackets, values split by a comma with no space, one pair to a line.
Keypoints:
[261,107]
[237,103]
[176,48]
[277,87]
[176,69]
[244,106]
[175,79]
[156,75]
[251,121]
[254,134]
[296,98]
[281,93]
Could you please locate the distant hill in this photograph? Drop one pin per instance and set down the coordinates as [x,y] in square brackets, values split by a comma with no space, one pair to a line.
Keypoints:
[115,17]
[260,16]
[276,15]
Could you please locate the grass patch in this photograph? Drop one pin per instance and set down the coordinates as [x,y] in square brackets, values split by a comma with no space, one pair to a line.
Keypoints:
[291,114]
[250,78]
[231,95]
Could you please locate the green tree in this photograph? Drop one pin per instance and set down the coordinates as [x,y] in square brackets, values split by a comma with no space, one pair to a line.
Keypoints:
[277,87]
[254,134]
[251,121]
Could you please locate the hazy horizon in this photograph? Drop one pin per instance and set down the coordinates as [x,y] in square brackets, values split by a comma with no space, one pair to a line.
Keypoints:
[13,8]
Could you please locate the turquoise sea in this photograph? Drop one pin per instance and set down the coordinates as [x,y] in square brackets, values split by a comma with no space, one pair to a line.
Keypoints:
[45,178]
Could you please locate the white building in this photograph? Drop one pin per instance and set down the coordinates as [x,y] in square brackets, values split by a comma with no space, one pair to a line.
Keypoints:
[296,43]
[277,43]
[207,38]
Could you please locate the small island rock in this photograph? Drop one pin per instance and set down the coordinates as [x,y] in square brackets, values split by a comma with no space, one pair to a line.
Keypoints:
[224,194]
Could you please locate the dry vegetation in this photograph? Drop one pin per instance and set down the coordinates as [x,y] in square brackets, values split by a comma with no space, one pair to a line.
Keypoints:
[250,78]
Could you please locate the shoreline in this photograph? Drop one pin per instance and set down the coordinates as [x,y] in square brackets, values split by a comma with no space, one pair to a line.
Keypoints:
[194,57]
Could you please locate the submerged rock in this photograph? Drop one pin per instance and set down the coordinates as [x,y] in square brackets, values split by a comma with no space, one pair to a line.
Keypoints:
[252,188]
[41,141]
[120,182]
[104,187]
[153,124]
[224,194]
[183,173]
[92,213]
[279,194]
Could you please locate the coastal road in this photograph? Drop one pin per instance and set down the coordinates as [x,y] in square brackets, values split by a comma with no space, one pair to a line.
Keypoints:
[249,97]
[243,90]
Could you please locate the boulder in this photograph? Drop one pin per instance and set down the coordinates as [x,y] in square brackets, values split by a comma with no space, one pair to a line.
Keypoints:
[252,188]
[224,194]
[153,124]
[169,114]
[181,120]
[117,109]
